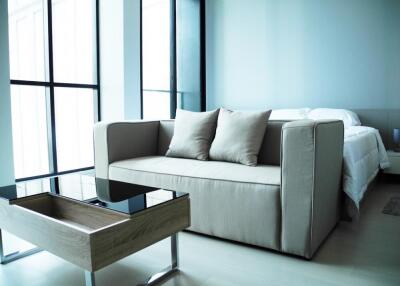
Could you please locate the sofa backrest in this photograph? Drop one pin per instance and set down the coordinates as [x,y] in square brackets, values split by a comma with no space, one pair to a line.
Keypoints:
[165,133]
[270,152]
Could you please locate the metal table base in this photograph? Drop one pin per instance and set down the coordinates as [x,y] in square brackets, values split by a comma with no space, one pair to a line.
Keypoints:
[90,279]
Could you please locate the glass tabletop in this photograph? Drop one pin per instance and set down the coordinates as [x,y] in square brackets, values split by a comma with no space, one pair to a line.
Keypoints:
[118,196]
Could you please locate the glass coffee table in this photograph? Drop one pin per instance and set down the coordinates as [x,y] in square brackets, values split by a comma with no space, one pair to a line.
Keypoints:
[92,222]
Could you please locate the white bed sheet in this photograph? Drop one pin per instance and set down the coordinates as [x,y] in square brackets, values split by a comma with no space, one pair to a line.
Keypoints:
[363,155]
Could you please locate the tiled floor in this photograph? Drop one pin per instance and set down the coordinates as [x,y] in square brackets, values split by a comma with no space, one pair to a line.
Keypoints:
[365,253]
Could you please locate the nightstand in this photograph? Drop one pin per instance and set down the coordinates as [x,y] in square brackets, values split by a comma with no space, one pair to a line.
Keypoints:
[394,159]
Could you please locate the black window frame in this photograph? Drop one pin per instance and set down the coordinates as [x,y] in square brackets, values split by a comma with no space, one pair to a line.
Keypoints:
[173,58]
[51,85]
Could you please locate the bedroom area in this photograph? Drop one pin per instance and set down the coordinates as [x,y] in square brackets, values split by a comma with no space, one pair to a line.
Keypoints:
[314,60]
[200,142]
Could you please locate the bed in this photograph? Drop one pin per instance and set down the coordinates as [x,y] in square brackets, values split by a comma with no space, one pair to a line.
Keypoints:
[363,156]
[364,153]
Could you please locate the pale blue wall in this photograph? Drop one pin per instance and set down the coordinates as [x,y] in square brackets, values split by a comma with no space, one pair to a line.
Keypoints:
[295,53]
[132,92]
[6,151]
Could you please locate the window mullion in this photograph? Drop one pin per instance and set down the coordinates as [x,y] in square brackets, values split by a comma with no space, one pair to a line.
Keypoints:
[97,62]
[173,69]
[52,125]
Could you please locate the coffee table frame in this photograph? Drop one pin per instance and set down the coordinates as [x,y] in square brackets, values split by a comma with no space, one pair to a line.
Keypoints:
[90,279]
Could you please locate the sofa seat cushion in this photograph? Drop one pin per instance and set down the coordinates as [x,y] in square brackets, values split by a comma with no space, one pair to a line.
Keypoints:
[213,170]
[228,200]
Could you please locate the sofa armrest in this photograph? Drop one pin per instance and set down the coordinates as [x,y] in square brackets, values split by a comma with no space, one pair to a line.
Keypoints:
[311,170]
[115,141]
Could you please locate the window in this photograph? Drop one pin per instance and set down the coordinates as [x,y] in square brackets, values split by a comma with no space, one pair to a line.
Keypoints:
[29,120]
[173,58]
[156,40]
[54,84]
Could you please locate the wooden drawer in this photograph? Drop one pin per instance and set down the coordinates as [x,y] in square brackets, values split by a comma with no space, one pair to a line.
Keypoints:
[88,236]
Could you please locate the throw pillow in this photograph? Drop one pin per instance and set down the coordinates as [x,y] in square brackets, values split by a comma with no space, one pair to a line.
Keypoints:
[239,136]
[193,134]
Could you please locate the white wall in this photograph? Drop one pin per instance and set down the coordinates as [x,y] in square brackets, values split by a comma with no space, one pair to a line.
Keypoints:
[120,59]
[6,151]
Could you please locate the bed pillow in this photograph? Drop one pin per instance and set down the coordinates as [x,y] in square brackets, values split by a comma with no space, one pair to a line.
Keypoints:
[348,117]
[239,136]
[193,134]
[289,114]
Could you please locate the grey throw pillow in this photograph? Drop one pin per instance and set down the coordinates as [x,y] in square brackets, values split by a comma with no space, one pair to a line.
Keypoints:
[193,134]
[239,136]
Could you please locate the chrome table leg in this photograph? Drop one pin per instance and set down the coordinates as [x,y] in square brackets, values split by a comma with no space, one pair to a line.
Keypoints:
[173,268]
[90,278]
[4,259]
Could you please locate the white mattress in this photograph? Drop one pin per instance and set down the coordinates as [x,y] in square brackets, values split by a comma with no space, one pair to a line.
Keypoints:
[364,154]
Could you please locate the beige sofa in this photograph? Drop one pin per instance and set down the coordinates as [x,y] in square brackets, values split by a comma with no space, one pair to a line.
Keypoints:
[289,202]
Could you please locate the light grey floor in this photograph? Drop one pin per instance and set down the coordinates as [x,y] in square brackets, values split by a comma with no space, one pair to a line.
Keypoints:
[363,253]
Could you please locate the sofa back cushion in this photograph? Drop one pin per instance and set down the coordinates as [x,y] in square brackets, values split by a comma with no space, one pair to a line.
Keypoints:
[270,152]
[165,134]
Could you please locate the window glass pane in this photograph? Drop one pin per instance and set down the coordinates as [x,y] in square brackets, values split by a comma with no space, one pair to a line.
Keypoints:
[32,187]
[156,58]
[74,127]
[29,123]
[74,40]
[27,44]
[77,187]
[188,54]
[157,105]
